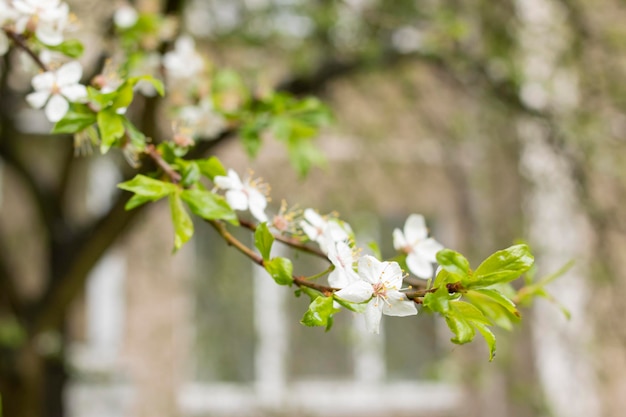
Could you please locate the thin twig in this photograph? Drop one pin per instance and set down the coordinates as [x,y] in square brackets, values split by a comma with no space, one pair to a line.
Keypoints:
[152,152]
[19,42]
[291,242]
[237,244]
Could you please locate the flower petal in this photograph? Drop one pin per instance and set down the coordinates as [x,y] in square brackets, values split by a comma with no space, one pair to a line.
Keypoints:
[428,249]
[49,34]
[69,73]
[370,269]
[56,108]
[314,218]
[399,242]
[74,92]
[43,82]
[420,266]
[237,200]
[312,232]
[230,182]
[357,292]
[398,305]
[391,275]
[415,228]
[373,314]
[38,99]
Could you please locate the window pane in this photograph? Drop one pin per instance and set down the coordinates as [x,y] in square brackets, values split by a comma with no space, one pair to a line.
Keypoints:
[314,353]
[224,343]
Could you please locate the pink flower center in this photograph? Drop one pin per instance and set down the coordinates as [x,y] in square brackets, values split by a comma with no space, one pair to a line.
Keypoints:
[380,290]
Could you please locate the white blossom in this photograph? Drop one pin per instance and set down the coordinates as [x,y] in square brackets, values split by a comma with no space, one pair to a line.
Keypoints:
[125,16]
[324,232]
[56,89]
[342,257]
[420,249]
[243,195]
[202,118]
[183,62]
[380,283]
[49,18]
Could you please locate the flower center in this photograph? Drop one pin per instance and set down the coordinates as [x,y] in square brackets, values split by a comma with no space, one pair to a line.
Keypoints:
[380,290]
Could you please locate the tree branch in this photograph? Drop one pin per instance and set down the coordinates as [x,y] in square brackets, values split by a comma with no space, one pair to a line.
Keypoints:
[237,244]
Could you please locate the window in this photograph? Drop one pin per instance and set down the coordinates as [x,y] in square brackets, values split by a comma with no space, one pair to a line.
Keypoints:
[252,354]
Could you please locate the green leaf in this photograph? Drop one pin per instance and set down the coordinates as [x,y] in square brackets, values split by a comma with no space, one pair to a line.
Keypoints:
[489,338]
[494,306]
[156,83]
[303,155]
[462,329]
[469,312]
[190,173]
[71,47]
[183,226]
[137,138]
[124,96]
[319,313]
[438,301]
[263,240]
[148,188]
[136,201]
[211,167]
[503,266]
[76,119]
[102,100]
[454,263]
[281,270]
[111,126]
[209,205]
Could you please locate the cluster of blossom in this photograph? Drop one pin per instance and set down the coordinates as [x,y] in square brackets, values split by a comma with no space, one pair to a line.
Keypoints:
[47,19]
[59,85]
[375,282]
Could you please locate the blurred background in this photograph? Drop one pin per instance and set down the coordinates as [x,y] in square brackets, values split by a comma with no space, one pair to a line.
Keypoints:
[496,120]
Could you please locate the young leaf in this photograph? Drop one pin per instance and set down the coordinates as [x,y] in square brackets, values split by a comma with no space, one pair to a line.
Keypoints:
[136,201]
[211,167]
[157,84]
[75,120]
[183,226]
[148,187]
[503,266]
[454,263]
[319,313]
[111,126]
[209,205]
[263,240]
[71,47]
[281,270]
[438,301]
[489,338]
[462,329]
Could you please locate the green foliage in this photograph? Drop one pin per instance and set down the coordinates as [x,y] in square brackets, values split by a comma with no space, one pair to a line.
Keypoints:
[320,313]
[111,126]
[208,205]
[263,240]
[211,167]
[534,289]
[292,121]
[183,226]
[78,118]
[147,187]
[485,305]
[281,269]
[503,266]
[71,47]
